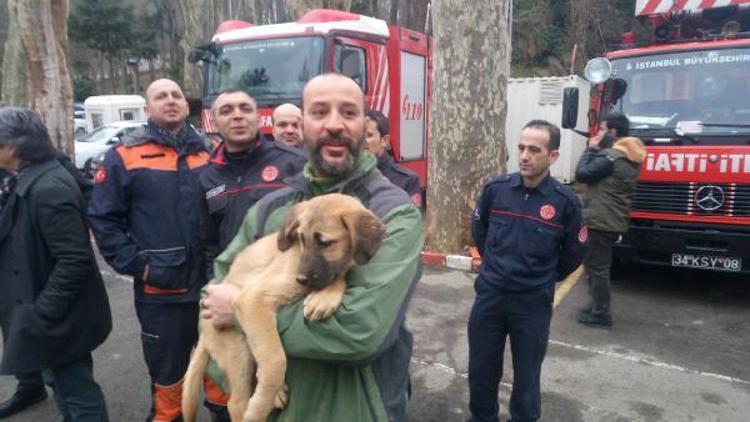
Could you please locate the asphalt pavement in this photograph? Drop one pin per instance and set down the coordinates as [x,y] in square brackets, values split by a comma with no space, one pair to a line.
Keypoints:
[678,351]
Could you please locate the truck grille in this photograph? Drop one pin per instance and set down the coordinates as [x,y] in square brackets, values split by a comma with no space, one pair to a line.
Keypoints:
[689,198]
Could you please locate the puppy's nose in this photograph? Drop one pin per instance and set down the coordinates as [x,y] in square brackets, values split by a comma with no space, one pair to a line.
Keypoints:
[302,279]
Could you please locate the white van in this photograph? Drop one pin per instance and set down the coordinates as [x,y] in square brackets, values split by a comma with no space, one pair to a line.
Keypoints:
[105,109]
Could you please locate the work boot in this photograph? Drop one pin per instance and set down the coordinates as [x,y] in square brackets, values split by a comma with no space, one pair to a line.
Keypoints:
[20,400]
[600,319]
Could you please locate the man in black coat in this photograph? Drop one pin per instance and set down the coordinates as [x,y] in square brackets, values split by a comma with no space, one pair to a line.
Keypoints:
[378,141]
[54,309]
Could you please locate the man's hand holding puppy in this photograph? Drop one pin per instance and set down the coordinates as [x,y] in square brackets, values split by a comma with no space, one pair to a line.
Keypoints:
[217,305]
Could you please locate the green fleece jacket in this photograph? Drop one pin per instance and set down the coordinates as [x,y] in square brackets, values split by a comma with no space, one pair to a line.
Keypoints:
[353,366]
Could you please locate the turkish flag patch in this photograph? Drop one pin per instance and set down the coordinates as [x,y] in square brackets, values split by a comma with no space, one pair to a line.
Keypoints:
[270,173]
[100,176]
[583,234]
[547,212]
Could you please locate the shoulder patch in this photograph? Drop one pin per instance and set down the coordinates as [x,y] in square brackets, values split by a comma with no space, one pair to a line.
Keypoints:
[583,234]
[101,175]
[270,173]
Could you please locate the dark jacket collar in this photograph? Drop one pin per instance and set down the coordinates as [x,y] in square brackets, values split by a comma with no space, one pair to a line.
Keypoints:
[151,132]
[546,187]
[33,172]
[385,160]
[219,156]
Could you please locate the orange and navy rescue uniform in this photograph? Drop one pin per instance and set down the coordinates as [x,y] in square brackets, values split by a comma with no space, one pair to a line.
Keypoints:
[145,210]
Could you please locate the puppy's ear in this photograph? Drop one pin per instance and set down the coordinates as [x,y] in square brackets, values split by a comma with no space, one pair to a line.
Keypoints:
[288,231]
[366,231]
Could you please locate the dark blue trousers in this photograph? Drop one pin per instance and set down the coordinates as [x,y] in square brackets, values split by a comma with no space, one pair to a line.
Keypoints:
[78,397]
[30,381]
[168,333]
[524,317]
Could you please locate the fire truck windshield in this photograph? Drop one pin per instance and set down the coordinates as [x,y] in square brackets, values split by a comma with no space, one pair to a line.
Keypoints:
[273,71]
[703,93]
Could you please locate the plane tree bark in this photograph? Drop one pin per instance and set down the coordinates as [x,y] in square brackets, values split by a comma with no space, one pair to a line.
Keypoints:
[43,29]
[468,107]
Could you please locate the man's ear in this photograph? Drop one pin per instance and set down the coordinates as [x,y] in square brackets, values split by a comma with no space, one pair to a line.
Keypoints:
[288,232]
[385,142]
[366,231]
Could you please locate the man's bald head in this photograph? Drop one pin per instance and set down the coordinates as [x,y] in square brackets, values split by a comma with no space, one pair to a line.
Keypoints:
[166,105]
[333,80]
[287,109]
[287,125]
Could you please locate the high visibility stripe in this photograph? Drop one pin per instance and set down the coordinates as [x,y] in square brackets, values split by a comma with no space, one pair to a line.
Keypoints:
[214,393]
[250,187]
[198,160]
[151,290]
[158,157]
[649,7]
[151,155]
[167,402]
[528,217]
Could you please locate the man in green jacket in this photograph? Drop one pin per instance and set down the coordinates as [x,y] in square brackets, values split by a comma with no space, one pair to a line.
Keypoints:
[609,167]
[354,366]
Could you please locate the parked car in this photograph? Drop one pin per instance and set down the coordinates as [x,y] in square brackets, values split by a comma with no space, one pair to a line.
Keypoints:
[98,141]
[79,127]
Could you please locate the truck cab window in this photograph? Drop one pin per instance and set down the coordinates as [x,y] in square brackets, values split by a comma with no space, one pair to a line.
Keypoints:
[350,61]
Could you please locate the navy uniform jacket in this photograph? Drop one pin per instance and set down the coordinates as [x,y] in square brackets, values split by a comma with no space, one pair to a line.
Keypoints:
[528,238]
[401,177]
[232,183]
[145,210]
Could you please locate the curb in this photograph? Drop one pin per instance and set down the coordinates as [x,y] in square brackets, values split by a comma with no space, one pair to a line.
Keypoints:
[454,262]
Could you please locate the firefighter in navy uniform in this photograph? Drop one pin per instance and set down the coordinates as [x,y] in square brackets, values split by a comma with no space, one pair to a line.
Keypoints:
[377,139]
[242,170]
[529,230]
[145,215]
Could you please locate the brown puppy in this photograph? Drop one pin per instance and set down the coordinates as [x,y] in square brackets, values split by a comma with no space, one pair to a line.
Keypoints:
[320,240]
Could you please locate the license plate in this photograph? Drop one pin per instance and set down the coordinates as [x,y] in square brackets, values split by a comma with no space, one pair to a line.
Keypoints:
[708,262]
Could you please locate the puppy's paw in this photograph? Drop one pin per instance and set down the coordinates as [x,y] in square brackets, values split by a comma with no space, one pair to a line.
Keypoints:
[253,413]
[321,304]
[282,398]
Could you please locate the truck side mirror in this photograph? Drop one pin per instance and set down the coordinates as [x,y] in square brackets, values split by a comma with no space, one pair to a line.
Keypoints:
[570,108]
[202,53]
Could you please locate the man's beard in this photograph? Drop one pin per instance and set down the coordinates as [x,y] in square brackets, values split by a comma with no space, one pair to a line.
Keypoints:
[322,168]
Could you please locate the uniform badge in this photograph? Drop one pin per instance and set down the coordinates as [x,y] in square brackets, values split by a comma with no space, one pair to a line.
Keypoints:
[583,234]
[100,176]
[270,173]
[216,191]
[547,212]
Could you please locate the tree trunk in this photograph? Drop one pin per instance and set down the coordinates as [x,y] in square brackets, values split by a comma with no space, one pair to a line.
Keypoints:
[43,26]
[580,18]
[467,121]
[413,14]
[14,67]
[3,37]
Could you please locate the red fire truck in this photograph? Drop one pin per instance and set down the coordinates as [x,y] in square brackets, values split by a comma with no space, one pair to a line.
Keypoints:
[392,65]
[687,95]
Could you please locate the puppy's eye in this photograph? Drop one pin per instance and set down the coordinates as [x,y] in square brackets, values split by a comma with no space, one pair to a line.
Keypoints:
[321,243]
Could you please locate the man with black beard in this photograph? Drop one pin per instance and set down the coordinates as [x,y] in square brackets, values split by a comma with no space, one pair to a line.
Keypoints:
[353,366]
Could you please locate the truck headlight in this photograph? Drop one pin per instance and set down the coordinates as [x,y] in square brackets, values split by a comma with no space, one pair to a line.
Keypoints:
[598,70]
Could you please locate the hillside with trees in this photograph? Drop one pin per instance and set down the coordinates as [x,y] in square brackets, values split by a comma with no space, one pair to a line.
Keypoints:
[140,40]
